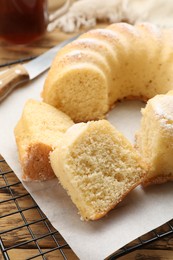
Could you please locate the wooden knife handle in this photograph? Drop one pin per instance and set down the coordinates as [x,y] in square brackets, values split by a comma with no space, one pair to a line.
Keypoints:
[11,78]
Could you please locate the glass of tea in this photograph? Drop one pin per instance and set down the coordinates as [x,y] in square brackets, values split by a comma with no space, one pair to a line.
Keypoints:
[23,21]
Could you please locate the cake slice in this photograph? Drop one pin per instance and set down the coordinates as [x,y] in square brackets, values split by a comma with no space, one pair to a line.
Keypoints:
[97,166]
[38,131]
[155,138]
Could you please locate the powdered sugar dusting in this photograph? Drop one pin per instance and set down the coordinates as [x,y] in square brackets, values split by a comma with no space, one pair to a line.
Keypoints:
[127,28]
[163,106]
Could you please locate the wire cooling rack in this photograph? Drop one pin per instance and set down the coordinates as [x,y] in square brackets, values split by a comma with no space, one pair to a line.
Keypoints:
[25,230]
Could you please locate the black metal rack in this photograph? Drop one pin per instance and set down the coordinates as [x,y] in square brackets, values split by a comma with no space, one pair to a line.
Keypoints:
[12,205]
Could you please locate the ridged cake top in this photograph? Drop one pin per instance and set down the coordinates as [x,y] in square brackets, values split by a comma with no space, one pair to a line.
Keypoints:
[102,66]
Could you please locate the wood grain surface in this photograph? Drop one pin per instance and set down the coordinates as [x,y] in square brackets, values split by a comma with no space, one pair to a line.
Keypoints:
[162,249]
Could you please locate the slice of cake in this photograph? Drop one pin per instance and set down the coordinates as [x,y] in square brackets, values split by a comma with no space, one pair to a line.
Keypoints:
[38,131]
[97,166]
[155,138]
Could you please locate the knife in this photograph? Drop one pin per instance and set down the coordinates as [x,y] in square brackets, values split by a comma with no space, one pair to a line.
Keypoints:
[26,72]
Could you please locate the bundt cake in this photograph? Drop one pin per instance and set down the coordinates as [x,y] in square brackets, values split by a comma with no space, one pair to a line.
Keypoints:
[105,65]
[38,131]
[97,166]
[155,138]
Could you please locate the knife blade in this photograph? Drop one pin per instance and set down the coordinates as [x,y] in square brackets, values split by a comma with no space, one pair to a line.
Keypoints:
[26,72]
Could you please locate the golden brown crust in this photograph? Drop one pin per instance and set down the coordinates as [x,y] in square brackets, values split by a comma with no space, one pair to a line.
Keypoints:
[98,216]
[157,180]
[35,163]
[38,131]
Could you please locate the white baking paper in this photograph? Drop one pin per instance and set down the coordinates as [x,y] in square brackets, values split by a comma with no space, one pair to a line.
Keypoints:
[141,211]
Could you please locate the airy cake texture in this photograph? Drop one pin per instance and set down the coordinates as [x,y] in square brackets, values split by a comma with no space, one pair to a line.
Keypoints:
[97,166]
[155,138]
[105,65]
[38,131]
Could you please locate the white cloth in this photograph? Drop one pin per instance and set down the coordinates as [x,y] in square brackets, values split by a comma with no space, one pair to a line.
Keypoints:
[86,13]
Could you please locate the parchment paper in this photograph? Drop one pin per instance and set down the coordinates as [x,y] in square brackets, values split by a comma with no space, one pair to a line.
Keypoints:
[141,211]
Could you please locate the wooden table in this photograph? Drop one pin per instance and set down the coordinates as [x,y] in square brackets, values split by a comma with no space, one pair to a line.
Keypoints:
[160,249]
